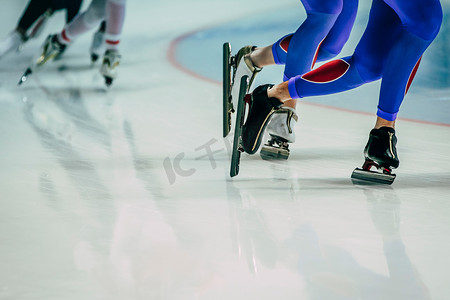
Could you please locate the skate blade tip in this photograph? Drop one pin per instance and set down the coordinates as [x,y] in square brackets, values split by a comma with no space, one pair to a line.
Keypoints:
[22,80]
[234,171]
[364,177]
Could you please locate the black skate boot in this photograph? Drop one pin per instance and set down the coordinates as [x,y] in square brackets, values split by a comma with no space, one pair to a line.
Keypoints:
[380,152]
[261,110]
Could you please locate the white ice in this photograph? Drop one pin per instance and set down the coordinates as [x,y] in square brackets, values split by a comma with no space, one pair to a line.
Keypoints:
[112,194]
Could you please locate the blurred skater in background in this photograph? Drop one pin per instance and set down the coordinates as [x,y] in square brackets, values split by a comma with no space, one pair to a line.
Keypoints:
[33,21]
[110,15]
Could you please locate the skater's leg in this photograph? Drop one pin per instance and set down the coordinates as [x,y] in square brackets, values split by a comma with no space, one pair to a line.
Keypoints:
[115,18]
[32,12]
[72,8]
[330,46]
[301,48]
[98,41]
[380,122]
[83,22]
[365,65]
[420,23]
[303,44]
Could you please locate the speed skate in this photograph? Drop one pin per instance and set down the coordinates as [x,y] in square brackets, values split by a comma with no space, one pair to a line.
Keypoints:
[380,153]
[237,147]
[50,49]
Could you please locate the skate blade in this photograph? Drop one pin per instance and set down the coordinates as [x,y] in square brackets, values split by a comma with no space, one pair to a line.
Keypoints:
[226,89]
[24,76]
[237,141]
[273,153]
[361,176]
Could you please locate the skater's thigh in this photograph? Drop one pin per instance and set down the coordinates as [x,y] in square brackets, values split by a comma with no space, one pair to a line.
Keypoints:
[421,18]
[323,6]
[382,30]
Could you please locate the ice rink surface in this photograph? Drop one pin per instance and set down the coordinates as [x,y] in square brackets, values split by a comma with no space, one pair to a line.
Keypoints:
[125,194]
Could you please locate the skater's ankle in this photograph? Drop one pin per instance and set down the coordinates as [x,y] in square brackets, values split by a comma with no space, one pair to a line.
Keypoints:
[292,103]
[261,57]
[250,60]
[280,92]
[384,123]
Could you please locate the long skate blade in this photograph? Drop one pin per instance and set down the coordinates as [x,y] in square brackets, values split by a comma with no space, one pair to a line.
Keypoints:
[361,176]
[273,153]
[227,104]
[25,76]
[236,155]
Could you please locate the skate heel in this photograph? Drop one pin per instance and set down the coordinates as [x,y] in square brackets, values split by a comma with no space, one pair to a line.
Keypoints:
[281,132]
[276,148]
